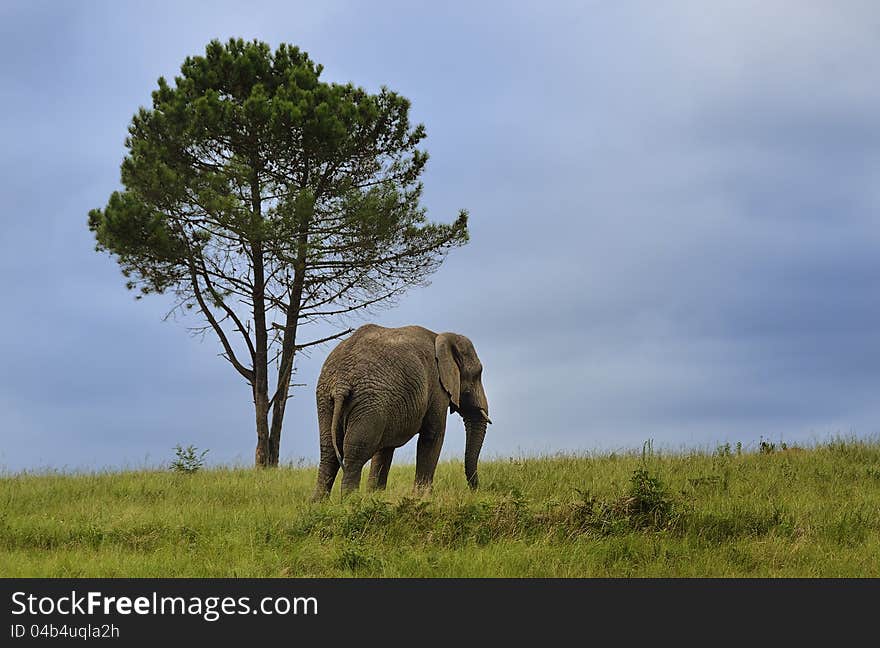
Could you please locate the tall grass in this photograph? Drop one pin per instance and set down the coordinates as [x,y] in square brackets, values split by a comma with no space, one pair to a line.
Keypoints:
[792,512]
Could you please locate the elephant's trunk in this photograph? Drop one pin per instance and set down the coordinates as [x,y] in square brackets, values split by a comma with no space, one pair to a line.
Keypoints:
[475,430]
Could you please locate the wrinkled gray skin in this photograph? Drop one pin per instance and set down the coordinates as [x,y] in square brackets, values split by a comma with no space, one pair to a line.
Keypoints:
[381,387]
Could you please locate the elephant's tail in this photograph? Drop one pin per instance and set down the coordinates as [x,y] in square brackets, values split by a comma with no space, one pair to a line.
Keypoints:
[337,429]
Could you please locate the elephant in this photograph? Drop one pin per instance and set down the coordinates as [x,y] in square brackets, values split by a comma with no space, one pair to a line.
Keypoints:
[380,387]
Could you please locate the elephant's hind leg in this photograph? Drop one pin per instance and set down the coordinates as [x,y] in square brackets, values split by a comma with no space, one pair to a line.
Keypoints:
[379,467]
[327,470]
[351,474]
[354,457]
[363,439]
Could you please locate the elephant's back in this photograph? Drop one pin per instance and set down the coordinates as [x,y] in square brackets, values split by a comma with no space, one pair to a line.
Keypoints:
[379,360]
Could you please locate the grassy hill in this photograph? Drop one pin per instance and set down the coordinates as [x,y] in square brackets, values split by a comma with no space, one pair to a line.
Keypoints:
[772,512]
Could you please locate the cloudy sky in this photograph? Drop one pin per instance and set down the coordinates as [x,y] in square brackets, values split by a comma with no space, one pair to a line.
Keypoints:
[675,231]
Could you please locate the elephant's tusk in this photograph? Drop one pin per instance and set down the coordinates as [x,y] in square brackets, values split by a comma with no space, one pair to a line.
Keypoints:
[485,416]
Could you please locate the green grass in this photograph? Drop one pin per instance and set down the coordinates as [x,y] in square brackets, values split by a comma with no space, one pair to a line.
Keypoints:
[793,512]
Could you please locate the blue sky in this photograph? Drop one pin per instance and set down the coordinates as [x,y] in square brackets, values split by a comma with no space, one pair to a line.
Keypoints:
[675,231]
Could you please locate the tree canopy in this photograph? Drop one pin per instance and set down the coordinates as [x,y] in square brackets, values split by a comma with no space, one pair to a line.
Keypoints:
[264,197]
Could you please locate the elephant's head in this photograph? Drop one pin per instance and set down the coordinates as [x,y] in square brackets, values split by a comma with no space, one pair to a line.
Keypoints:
[461,377]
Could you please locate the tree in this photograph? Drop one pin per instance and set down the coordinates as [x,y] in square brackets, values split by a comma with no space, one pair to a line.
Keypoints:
[265,198]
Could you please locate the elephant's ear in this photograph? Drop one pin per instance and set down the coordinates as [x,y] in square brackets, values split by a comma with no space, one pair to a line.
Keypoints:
[449,372]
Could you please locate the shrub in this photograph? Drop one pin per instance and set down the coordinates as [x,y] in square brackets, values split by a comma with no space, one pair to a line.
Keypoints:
[647,504]
[188,460]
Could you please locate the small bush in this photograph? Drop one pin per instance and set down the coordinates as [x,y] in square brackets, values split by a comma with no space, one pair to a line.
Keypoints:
[724,451]
[647,504]
[188,460]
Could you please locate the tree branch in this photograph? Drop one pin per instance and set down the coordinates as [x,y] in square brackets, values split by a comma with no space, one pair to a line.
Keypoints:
[248,374]
[280,327]
[229,311]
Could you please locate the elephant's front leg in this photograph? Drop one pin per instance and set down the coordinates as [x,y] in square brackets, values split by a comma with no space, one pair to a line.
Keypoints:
[379,467]
[427,455]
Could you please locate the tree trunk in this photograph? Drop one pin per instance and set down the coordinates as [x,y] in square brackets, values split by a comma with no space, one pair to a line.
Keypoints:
[263,453]
[279,405]
[261,336]
[288,352]
[261,370]
[288,348]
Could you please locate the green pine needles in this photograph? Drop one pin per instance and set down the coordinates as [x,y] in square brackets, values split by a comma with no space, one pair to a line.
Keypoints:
[265,198]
